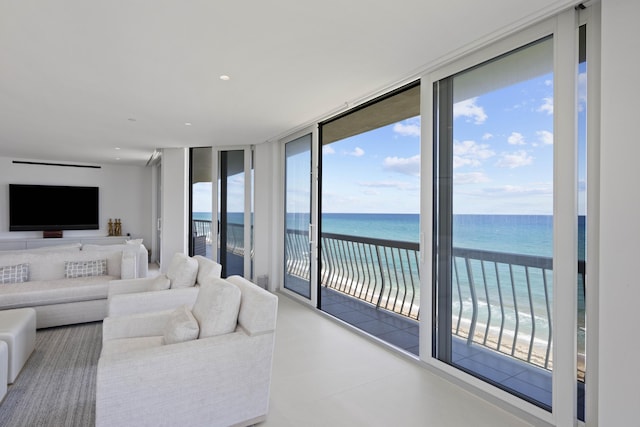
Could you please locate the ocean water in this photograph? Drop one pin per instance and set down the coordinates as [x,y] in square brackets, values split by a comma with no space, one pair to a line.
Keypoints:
[520,234]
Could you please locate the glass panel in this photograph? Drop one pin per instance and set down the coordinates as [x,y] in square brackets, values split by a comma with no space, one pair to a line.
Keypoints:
[201,201]
[370,218]
[231,212]
[297,248]
[495,222]
[582,215]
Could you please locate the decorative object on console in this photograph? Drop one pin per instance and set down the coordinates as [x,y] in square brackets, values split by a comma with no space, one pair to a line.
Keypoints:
[114,227]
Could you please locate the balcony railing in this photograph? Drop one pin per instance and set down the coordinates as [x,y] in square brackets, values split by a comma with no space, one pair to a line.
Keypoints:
[501,301]
[235,235]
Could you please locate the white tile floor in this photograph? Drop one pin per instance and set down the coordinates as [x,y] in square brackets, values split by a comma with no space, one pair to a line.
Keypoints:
[326,375]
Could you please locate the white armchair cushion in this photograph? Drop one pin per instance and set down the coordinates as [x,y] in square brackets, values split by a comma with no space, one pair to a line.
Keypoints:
[182,271]
[216,307]
[181,327]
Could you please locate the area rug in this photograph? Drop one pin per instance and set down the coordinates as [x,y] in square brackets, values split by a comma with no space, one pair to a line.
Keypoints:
[57,386]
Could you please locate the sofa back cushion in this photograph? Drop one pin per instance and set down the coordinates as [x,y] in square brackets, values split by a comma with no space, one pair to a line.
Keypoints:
[207,268]
[182,271]
[216,307]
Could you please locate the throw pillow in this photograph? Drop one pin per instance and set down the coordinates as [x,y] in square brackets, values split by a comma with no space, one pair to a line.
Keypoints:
[181,327]
[182,271]
[216,307]
[159,283]
[96,267]
[14,273]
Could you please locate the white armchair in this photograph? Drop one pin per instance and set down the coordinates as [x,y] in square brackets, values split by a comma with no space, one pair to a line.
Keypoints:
[219,380]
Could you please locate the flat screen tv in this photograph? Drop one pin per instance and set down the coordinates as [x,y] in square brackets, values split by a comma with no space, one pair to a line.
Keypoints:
[53,207]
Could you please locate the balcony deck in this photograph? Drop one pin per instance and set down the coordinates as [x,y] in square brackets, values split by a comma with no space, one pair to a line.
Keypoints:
[524,379]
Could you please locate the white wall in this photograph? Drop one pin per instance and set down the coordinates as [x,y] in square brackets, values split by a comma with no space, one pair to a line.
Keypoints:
[263,220]
[619,279]
[125,193]
[174,207]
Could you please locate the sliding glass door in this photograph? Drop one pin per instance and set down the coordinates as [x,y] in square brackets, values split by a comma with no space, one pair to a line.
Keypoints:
[297,218]
[234,211]
[494,219]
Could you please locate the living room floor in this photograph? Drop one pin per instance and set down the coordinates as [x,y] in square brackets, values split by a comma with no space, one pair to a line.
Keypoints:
[327,375]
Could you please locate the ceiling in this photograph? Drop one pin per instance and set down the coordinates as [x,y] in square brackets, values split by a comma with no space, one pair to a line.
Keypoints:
[108,82]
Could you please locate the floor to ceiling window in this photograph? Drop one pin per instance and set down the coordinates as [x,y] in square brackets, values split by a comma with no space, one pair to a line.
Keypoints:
[494,221]
[297,218]
[200,231]
[369,222]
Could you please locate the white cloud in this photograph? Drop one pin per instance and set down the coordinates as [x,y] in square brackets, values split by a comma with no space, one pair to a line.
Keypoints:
[548,82]
[545,137]
[398,185]
[327,149]
[514,160]
[547,106]
[470,178]
[407,166]
[517,190]
[468,108]
[470,153]
[487,136]
[410,127]
[516,138]
[357,152]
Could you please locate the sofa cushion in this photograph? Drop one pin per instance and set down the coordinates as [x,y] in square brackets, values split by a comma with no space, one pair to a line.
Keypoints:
[181,327]
[14,273]
[207,268]
[216,307]
[36,293]
[182,271]
[94,267]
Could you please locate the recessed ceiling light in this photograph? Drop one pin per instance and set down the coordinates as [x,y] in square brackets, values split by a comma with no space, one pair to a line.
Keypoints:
[117,158]
[117,148]
[187,124]
[225,77]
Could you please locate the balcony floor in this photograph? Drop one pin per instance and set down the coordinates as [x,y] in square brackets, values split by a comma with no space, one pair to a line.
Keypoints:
[526,380]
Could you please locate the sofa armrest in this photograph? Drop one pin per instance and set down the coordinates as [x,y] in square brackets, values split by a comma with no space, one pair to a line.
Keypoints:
[218,381]
[128,265]
[130,286]
[145,302]
[135,325]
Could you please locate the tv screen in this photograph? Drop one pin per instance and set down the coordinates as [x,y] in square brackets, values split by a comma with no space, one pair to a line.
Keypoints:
[52,207]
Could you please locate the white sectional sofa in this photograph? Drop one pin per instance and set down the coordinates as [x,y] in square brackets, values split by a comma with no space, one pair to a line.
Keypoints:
[206,361]
[43,279]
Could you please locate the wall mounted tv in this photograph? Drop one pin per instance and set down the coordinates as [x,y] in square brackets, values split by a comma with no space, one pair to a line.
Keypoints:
[53,207]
